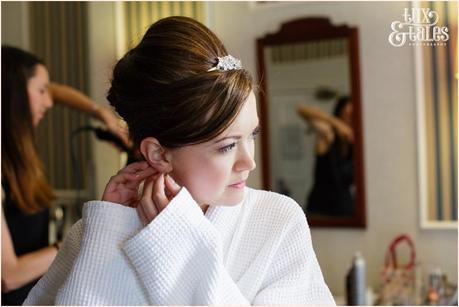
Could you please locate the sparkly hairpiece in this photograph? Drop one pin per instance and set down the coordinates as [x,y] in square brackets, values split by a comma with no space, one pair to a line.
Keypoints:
[227,63]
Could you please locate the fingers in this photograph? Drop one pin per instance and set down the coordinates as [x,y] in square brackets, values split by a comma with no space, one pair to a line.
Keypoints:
[157,192]
[159,196]
[172,188]
[129,180]
[134,167]
[118,179]
[123,187]
[116,126]
[142,216]
[134,173]
[142,169]
[148,207]
[133,180]
[146,173]
[109,190]
[123,133]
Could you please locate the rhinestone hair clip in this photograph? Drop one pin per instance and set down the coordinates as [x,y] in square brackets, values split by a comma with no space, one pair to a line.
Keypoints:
[227,63]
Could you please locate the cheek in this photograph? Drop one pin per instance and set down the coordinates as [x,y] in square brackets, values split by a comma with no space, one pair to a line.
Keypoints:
[206,179]
[33,104]
[32,100]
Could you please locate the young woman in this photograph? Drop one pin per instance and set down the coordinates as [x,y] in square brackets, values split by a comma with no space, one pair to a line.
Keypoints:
[26,194]
[195,235]
[333,170]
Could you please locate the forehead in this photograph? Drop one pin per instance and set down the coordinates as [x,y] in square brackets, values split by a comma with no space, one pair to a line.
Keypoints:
[244,124]
[247,117]
[40,73]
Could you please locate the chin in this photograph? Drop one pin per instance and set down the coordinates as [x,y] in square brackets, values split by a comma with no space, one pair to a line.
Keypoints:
[231,198]
[228,197]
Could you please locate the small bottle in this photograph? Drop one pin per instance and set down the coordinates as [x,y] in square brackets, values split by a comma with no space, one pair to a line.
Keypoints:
[355,282]
[433,293]
[418,285]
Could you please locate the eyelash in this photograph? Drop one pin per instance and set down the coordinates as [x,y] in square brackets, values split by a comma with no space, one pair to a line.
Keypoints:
[228,148]
[256,132]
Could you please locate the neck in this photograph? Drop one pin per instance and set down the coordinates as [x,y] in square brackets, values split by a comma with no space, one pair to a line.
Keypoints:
[204,208]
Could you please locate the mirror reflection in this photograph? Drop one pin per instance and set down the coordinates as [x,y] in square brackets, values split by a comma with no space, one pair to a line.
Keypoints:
[312,129]
[311,84]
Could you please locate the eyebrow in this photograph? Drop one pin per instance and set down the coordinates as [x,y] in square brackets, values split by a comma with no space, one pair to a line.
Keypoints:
[236,137]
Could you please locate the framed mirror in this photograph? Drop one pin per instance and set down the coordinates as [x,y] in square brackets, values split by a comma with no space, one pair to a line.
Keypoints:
[310,111]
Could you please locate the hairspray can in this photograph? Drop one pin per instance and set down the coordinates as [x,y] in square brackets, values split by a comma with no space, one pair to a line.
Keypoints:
[355,282]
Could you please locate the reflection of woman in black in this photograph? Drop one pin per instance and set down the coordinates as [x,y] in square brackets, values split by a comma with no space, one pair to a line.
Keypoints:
[333,188]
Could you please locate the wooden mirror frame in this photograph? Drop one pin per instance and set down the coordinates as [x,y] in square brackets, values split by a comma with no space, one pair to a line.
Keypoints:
[303,30]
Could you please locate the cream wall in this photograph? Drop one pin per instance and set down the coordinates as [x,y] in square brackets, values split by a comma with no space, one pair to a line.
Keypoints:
[388,97]
[15,24]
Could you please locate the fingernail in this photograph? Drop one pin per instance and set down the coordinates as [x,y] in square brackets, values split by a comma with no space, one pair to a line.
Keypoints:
[168,178]
[172,181]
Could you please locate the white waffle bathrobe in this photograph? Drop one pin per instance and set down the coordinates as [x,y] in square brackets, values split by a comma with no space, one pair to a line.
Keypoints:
[257,252]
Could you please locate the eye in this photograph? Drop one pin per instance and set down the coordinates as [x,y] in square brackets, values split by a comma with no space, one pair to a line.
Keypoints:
[255,132]
[227,148]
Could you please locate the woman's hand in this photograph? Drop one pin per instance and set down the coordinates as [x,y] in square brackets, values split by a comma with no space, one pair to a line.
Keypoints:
[113,124]
[123,188]
[72,97]
[158,191]
[344,131]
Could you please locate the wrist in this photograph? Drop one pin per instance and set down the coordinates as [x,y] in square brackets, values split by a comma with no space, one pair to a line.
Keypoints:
[96,110]
[335,122]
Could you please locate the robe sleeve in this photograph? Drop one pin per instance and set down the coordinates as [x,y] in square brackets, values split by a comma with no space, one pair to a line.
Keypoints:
[45,291]
[101,273]
[179,258]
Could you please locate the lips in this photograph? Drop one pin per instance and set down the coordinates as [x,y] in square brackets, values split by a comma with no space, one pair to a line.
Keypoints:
[239,184]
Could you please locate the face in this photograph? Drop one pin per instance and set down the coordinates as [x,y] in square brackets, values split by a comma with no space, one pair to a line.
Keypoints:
[215,172]
[346,113]
[39,96]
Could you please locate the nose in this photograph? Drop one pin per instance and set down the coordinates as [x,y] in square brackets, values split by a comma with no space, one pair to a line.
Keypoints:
[245,160]
[48,101]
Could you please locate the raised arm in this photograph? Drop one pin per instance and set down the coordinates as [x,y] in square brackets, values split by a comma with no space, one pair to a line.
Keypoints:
[75,99]
[325,125]
[311,113]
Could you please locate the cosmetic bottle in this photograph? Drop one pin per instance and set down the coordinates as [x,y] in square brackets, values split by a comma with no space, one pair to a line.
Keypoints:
[355,282]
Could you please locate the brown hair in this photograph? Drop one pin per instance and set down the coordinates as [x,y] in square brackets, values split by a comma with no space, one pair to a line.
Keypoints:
[162,87]
[21,166]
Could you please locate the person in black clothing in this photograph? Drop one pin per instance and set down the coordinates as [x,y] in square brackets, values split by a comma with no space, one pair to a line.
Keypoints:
[26,194]
[332,192]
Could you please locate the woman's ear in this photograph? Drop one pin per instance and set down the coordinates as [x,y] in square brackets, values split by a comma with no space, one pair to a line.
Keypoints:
[155,155]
